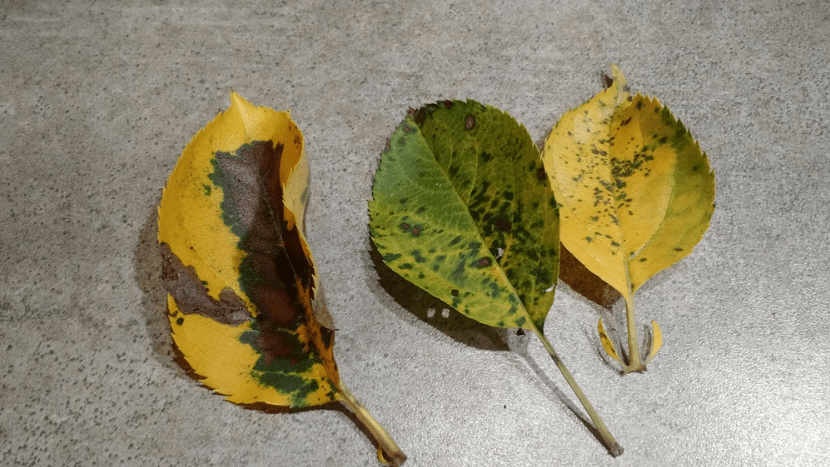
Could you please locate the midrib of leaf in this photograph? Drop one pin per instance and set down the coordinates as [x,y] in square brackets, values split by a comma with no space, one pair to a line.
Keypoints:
[509,241]
[469,217]
[605,434]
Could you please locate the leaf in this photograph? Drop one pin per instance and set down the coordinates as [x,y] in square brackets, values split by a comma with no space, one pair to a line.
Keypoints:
[245,304]
[462,208]
[635,191]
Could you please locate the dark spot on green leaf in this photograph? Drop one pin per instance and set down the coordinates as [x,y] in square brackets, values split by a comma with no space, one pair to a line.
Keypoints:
[502,224]
[207,189]
[469,122]
[406,266]
[455,240]
[404,200]
[483,262]
[454,292]
[180,321]
[416,254]
[389,257]
[495,291]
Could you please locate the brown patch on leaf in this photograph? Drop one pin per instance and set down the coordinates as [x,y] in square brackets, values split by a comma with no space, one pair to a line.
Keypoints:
[503,224]
[276,263]
[469,122]
[274,303]
[271,341]
[192,297]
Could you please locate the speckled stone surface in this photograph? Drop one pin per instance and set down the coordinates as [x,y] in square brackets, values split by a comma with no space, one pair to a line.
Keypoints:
[97,100]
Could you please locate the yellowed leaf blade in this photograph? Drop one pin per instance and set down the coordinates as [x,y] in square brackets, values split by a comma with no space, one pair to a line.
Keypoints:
[635,190]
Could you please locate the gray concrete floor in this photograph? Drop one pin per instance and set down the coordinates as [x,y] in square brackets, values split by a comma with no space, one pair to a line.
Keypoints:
[97,100]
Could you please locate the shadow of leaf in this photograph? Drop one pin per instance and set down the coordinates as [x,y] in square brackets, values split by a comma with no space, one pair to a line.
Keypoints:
[419,303]
[154,302]
[584,282]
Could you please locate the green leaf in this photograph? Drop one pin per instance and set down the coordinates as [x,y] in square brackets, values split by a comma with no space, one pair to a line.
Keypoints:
[462,208]
[636,192]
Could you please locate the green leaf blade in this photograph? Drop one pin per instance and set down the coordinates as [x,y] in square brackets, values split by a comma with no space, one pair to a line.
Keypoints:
[462,208]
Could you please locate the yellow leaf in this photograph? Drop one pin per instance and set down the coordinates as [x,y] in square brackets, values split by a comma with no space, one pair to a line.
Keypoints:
[245,303]
[635,191]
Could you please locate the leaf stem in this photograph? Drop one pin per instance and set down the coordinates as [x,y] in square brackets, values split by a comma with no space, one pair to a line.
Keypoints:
[394,456]
[634,362]
[607,438]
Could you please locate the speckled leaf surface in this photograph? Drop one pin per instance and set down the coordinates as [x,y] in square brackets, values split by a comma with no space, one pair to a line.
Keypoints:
[244,304]
[635,191]
[462,208]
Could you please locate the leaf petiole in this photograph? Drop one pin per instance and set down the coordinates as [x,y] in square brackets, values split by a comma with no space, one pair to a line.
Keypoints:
[634,363]
[386,445]
[607,438]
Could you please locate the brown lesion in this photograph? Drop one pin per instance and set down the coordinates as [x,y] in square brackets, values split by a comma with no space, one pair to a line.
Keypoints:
[276,261]
[192,297]
[271,341]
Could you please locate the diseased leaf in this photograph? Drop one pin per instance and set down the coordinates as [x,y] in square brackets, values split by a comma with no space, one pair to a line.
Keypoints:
[244,299]
[462,208]
[635,191]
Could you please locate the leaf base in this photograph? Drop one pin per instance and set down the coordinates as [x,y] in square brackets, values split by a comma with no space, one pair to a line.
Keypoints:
[631,363]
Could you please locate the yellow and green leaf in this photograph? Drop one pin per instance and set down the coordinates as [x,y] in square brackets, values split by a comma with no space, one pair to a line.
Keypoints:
[635,191]
[462,208]
[245,304]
